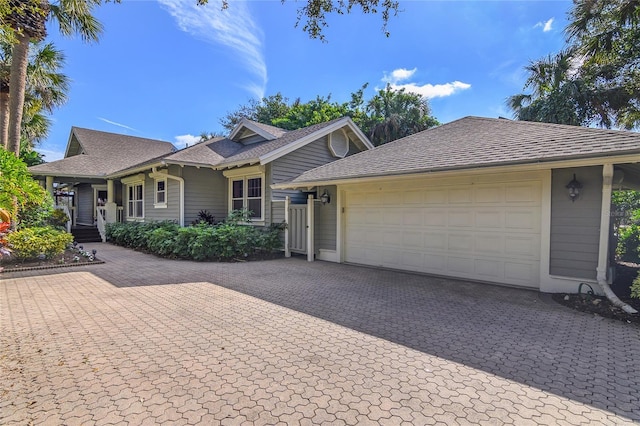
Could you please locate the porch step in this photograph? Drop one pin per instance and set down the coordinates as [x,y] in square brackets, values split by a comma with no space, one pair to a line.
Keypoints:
[86,234]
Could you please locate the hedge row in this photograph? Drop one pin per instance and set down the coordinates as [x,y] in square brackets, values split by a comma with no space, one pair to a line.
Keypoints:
[222,242]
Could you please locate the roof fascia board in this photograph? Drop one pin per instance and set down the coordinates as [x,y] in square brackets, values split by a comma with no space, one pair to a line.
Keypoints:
[237,164]
[73,132]
[132,170]
[363,138]
[299,143]
[249,125]
[188,164]
[66,175]
[585,162]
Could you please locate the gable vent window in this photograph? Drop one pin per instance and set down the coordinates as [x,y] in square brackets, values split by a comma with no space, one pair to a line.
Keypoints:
[339,143]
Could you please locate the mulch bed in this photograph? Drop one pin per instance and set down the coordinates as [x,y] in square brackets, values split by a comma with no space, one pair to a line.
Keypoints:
[64,260]
[600,306]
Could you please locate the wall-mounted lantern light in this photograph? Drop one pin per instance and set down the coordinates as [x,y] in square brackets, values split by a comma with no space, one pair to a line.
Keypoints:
[574,188]
[325,197]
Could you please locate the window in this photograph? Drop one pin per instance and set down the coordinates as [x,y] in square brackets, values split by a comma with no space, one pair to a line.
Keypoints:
[247,192]
[135,200]
[161,193]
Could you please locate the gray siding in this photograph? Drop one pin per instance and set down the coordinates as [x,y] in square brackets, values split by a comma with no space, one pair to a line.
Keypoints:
[575,226]
[84,204]
[172,211]
[204,189]
[326,220]
[295,163]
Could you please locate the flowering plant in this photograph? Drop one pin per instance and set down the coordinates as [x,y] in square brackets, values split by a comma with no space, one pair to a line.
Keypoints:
[4,245]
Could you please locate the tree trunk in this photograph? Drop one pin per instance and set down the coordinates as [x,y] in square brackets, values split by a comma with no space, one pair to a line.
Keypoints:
[4,119]
[17,86]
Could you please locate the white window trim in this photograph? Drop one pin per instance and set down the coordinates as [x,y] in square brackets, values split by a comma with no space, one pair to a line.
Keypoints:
[245,175]
[129,183]
[156,204]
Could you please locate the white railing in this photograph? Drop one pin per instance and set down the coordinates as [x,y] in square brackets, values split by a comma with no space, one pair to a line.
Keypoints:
[120,214]
[101,217]
[66,211]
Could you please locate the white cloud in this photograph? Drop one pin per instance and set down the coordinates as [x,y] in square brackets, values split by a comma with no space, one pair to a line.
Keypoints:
[233,28]
[399,75]
[186,140]
[433,90]
[546,26]
[116,124]
[426,90]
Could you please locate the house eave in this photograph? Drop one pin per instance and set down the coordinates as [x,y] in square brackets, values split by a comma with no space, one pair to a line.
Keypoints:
[539,164]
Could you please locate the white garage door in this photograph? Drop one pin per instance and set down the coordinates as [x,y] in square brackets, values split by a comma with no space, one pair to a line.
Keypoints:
[481,231]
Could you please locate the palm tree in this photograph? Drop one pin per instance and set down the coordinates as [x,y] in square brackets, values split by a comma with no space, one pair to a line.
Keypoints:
[394,114]
[46,88]
[27,19]
[558,94]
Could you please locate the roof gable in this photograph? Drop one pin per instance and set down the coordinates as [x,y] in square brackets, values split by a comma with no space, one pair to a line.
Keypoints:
[224,153]
[248,131]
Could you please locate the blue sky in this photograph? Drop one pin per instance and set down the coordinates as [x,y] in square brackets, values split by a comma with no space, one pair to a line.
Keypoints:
[170,70]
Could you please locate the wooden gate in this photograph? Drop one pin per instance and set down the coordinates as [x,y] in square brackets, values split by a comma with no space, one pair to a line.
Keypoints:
[298,228]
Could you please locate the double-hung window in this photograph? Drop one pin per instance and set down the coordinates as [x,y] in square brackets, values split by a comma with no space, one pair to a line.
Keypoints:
[135,201]
[160,199]
[246,191]
[134,193]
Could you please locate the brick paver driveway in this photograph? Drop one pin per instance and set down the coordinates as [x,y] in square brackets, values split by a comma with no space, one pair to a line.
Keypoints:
[141,340]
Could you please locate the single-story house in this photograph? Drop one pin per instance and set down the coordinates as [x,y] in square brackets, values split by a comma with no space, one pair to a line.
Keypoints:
[115,178]
[512,202]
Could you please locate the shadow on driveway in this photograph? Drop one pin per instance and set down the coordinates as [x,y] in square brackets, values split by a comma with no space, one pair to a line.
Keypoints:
[506,332]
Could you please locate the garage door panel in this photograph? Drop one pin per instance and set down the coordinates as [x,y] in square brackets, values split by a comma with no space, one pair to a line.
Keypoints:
[489,194]
[486,231]
[435,197]
[435,217]
[458,196]
[522,219]
[461,243]
[435,240]
[489,218]
[528,192]
[489,243]
[489,269]
[412,217]
[526,246]
[461,265]
[458,218]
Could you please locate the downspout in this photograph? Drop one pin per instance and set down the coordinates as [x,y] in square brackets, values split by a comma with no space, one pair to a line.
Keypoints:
[605,218]
[180,180]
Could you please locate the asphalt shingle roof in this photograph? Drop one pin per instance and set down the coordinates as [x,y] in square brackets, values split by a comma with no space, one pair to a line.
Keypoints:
[222,151]
[472,142]
[105,153]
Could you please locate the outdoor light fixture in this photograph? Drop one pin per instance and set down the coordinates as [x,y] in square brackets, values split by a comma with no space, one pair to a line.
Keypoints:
[325,197]
[574,188]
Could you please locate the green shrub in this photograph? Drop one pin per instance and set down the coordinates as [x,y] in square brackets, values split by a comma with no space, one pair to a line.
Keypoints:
[629,244]
[28,243]
[58,219]
[162,241]
[226,241]
[635,287]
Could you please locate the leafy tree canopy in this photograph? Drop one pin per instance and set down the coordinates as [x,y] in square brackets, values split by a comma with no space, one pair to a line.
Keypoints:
[313,14]
[596,79]
[390,114]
